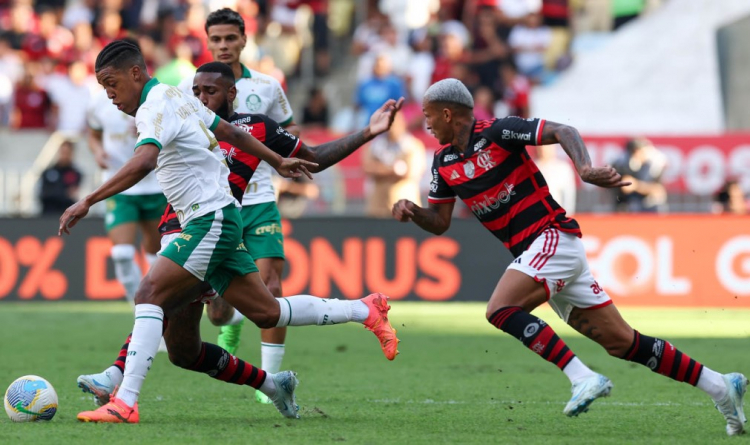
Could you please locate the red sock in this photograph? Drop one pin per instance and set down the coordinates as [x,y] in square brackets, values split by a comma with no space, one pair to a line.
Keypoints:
[661,357]
[120,361]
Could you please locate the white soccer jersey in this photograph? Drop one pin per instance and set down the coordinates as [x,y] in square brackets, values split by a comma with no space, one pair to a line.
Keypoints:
[118,140]
[189,172]
[258,93]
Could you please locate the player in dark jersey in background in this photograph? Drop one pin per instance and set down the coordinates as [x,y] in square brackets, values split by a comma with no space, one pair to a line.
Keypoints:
[214,86]
[485,163]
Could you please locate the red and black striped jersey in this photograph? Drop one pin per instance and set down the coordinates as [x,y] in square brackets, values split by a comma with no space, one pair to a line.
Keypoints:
[499,182]
[241,165]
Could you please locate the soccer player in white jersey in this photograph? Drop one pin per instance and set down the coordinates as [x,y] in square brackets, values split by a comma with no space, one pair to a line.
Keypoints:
[176,132]
[111,138]
[262,94]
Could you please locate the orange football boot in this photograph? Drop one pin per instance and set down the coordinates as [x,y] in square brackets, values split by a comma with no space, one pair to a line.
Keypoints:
[116,411]
[377,322]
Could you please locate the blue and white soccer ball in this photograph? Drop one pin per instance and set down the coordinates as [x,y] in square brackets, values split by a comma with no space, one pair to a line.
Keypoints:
[29,399]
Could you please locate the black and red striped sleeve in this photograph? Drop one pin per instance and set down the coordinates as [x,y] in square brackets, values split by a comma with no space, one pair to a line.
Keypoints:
[279,140]
[440,191]
[516,133]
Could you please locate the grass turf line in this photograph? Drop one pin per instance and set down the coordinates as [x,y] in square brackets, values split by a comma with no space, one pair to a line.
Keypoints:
[457,380]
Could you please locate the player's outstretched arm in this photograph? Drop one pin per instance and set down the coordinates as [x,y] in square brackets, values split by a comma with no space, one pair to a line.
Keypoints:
[571,141]
[325,155]
[140,165]
[288,168]
[435,219]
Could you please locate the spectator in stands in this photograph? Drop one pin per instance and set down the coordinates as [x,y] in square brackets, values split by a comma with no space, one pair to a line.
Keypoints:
[315,112]
[179,68]
[422,62]
[484,104]
[21,22]
[31,105]
[109,27]
[387,43]
[59,183]
[51,40]
[70,96]
[383,85]
[516,89]
[642,165]
[731,199]
[453,40]
[624,11]
[560,177]
[556,16]
[367,33]
[488,49]
[293,195]
[394,164]
[529,42]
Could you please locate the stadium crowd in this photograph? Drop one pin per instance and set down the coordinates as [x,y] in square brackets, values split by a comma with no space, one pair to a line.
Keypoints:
[499,49]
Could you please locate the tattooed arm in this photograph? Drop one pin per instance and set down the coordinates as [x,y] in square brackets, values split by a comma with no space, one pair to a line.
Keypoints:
[435,219]
[332,152]
[571,141]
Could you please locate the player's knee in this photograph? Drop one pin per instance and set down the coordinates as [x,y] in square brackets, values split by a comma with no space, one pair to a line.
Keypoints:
[147,292]
[219,314]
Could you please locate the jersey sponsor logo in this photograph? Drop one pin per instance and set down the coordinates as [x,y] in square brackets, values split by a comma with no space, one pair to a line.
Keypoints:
[186,110]
[185,236]
[268,229]
[434,182]
[283,132]
[490,203]
[469,169]
[530,329]
[157,124]
[485,160]
[507,134]
[229,154]
[253,103]
[478,146]
[450,157]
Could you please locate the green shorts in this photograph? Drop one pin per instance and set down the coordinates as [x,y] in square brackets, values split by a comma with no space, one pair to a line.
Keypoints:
[123,209]
[262,231]
[211,248]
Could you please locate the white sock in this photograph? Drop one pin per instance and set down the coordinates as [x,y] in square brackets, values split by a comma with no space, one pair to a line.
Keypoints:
[271,355]
[236,319]
[149,322]
[576,370]
[712,383]
[268,387]
[114,374]
[151,259]
[126,270]
[305,310]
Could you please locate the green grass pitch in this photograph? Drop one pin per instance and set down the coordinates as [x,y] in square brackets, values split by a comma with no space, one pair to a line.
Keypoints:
[457,380]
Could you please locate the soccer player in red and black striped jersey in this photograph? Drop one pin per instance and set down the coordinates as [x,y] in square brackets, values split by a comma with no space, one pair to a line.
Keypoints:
[214,86]
[485,164]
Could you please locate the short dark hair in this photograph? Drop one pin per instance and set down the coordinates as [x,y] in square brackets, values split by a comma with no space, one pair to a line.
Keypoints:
[225,16]
[120,54]
[218,67]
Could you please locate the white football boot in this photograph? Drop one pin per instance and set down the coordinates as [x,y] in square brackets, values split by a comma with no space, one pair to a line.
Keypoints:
[585,391]
[100,385]
[284,400]
[731,405]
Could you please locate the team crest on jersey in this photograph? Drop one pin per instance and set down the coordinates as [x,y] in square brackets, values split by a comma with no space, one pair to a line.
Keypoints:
[485,160]
[469,169]
[253,103]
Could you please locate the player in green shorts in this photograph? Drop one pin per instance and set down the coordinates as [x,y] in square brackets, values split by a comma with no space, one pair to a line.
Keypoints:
[112,137]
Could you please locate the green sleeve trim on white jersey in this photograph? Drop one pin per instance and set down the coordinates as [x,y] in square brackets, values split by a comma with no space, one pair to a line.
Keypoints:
[287,122]
[148,141]
[215,123]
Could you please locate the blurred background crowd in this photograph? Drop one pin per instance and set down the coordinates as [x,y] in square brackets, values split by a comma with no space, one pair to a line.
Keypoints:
[338,60]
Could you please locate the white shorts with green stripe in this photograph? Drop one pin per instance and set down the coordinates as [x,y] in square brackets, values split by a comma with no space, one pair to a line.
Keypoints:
[211,248]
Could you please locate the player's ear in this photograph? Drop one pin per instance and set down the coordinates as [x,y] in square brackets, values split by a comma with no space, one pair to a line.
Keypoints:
[136,73]
[232,94]
[244,40]
[447,114]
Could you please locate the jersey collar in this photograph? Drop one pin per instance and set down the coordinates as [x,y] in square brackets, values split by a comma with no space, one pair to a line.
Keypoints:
[147,88]
[246,74]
